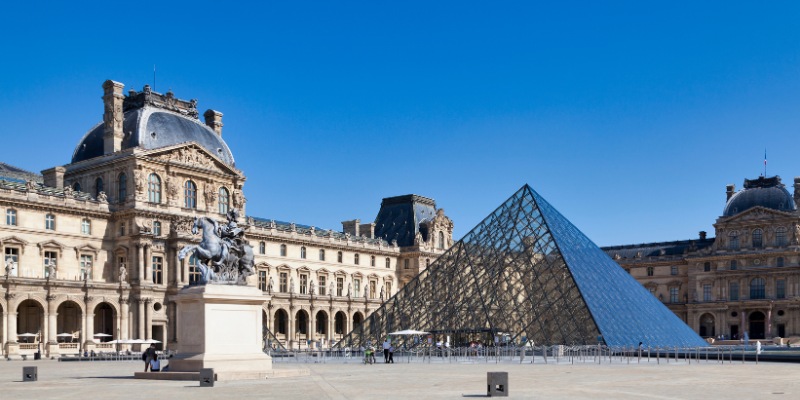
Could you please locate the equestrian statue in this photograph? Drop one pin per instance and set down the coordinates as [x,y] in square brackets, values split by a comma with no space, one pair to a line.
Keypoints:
[223,256]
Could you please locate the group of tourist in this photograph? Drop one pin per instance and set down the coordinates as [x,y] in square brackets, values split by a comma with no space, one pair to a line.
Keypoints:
[388,353]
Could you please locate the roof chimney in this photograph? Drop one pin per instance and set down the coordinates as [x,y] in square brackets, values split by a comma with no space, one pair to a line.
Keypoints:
[797,191]
[730,190]
[702,235]
[112,116]
[214,121]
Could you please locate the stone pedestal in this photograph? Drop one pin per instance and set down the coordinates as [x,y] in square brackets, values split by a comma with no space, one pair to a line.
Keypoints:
[53,351]
[220,327]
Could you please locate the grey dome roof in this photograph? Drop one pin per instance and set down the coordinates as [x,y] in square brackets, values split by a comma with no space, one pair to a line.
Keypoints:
[763,192]
[151,128]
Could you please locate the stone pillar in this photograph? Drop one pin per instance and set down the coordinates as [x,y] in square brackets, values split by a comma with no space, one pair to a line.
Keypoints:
[148,320]
[140,262]
[123,318]
[140,325]
[179,276]
[52,328]
[290,331]
[4,332]
[185,269]
[312,321]
[148,263]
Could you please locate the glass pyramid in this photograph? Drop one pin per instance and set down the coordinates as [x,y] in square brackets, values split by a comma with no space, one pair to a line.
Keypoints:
[525,273]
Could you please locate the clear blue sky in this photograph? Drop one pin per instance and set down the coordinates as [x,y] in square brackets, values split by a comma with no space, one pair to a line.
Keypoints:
[629,117]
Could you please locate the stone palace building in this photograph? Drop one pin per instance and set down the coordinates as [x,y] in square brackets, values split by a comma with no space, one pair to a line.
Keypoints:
[90,248]
[746,280]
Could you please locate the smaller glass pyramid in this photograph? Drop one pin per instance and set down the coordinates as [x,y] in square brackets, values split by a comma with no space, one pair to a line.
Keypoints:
[525,273]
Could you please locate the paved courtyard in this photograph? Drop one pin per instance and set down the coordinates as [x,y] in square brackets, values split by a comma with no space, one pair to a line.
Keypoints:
[113,380]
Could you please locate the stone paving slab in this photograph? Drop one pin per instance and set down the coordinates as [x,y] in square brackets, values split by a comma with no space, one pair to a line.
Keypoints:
[114,380]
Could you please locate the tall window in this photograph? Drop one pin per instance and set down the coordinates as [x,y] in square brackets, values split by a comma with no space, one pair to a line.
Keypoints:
[779,262]
[339,257]
[441,240]
[123,263]
[154,188]
[733,291]
[707,292]
[780,289]
[98,186]
[780,237]
[322,282]
[673,295]
[86,266]
[303,252]
[371,261]
[734,265]
[339,286]
[707,267]
[224,200]
[12,255]
[356,259]
[388,262]
[733,240]
[357,287]
[673,270]
[86,226]
[650,271]
[262,280]
[122,228]
[388,289]
[372,292]
[757,288]
[262,248]
[283,282]
[405,264]
[194,271]
[303,284]
[49,260]
[156,228]
[322,254]
[50,222]
[158,270]
[11,217]
[758,238]
[123,187]
[189,195]
[283,250]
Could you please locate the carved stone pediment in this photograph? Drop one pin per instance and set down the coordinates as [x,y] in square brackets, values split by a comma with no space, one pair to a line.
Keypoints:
[758,213]
[191,155]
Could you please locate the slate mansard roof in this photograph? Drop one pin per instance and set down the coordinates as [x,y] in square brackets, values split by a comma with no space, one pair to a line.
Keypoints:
[763,192]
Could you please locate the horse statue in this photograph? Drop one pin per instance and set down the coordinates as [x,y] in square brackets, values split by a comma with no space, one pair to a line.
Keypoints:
[223,255]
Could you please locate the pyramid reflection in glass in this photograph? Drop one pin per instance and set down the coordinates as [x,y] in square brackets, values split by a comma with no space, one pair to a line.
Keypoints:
[525,273]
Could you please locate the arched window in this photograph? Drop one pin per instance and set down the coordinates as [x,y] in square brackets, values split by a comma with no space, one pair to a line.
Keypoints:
[356,259]
[123,187]
[650,271]
[441,240]
[262,247]
[303,252]
[388,262]
[757,288]
[224,200]
[156,228]
[758,238]
[733,240]
[98,186]
[322,254]
[154,188]
[76,187]
[283,250]
[189,195]
[339,257]
[372,261]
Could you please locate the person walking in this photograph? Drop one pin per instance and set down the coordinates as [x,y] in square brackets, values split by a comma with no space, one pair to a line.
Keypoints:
[149,355]
[386,345]
[391,354]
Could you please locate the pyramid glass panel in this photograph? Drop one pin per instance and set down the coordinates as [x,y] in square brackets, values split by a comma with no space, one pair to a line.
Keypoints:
[525,273]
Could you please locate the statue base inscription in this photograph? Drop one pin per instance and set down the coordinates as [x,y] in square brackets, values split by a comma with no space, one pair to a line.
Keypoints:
[220,327]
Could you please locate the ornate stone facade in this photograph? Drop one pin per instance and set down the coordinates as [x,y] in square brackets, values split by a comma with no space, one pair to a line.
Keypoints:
[745,280]
[94,249]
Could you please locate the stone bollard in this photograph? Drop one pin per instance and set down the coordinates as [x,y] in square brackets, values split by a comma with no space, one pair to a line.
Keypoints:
[207,377]
[30,374]
[497,384]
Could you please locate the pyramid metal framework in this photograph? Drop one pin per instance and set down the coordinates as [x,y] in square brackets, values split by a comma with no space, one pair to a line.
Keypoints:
[525,273]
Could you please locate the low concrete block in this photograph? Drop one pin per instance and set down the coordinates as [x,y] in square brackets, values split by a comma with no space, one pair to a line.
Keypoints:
[30,374]
[497,384]
[207,377]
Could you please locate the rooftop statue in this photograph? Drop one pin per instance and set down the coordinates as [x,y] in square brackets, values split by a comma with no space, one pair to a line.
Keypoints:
[223,256]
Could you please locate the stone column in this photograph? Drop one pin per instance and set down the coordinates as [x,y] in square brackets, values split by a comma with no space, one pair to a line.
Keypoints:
[140,325]
[148,261]
[140,262]
[148,319]
[185,269]
[4,332]
[290,331]
[52,328]
[312,321]
[123,318]
[178,270]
